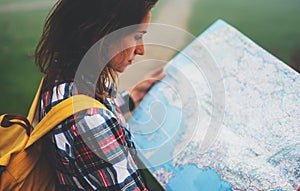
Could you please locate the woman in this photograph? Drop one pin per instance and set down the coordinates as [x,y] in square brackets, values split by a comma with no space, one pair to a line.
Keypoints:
[91,150]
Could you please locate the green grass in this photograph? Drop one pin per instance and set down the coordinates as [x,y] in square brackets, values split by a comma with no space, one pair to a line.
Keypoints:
[273,24]
[5,2]
[19,35]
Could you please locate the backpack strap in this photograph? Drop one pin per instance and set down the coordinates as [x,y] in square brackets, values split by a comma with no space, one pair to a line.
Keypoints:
[35,103]
[60,112]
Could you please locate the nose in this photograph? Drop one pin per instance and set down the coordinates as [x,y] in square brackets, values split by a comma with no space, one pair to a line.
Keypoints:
[140,49]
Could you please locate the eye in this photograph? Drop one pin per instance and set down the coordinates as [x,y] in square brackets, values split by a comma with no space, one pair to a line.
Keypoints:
[138,37]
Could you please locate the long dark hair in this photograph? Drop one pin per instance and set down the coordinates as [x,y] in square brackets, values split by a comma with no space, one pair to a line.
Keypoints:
[73,26]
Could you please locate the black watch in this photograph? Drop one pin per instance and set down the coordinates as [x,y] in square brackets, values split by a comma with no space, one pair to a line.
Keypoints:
[126,102]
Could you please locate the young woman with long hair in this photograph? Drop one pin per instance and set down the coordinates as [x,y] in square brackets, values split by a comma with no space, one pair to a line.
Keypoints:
[92,150]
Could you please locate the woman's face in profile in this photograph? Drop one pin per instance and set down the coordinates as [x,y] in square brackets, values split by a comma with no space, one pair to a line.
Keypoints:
[133,44]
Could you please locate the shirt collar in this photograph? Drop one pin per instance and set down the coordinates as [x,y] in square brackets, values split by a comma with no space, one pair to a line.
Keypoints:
[110,87]
[112,90]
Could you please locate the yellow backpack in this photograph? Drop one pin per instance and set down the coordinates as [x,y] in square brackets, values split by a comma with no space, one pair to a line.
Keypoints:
[23,165]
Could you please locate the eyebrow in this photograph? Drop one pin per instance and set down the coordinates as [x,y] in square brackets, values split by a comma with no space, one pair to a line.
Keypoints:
[143,32]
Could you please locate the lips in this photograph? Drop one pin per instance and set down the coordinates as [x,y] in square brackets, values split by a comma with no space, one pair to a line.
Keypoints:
[130,61]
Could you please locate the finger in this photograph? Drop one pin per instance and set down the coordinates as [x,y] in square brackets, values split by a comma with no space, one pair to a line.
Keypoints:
[151,81]
[146,84]
[158,78]
[161,76]
[156,72]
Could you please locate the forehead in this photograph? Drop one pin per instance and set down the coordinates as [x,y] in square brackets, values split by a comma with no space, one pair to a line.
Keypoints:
[147,18]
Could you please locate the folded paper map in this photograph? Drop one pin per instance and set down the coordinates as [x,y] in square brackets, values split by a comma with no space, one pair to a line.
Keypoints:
[226,117]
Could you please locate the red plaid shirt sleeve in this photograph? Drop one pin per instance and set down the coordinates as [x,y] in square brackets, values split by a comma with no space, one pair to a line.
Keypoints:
[101,153]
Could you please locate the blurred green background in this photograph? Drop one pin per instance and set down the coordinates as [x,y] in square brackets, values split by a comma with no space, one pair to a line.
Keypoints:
[273,24]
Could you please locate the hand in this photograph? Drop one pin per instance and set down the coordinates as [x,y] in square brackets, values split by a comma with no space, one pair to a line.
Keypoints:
[138,92]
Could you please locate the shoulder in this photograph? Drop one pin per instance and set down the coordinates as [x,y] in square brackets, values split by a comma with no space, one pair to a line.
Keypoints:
[91,119]
[51,96]
[95,117]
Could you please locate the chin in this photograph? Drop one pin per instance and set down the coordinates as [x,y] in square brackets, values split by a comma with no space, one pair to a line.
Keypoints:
[122,69]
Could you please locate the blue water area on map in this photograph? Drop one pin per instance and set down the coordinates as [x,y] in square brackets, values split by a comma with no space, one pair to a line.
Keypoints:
[190,177]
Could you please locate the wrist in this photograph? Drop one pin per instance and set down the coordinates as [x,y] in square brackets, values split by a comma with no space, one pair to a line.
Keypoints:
[126,101]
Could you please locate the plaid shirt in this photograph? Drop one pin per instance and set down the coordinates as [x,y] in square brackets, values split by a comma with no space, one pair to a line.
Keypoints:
[91,150]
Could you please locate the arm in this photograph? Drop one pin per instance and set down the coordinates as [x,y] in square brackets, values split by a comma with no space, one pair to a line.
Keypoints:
[102,154]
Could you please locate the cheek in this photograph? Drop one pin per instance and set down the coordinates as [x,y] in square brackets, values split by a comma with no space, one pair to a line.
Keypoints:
[119,60]
[124,56]
[116,61]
